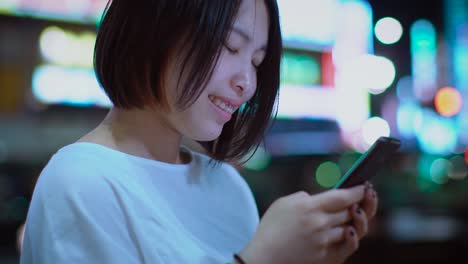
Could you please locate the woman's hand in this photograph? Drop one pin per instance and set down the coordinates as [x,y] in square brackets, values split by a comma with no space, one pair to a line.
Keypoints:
[321,228]
[362,213]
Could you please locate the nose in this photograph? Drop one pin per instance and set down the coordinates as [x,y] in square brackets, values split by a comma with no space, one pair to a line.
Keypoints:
[243,83]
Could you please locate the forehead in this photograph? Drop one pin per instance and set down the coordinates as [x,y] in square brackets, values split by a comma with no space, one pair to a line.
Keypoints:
[252,17]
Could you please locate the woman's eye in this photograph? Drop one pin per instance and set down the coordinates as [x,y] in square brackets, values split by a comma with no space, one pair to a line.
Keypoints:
[257,63]
[231,50]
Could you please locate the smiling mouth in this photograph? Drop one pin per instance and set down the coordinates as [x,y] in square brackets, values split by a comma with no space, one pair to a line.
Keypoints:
[223,105]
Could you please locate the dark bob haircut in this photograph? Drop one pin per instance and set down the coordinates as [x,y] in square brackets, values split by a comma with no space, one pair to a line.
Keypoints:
[136,40]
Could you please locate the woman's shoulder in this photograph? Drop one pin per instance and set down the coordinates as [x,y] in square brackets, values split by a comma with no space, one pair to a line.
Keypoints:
[79,156]
[75,167]
[77,177]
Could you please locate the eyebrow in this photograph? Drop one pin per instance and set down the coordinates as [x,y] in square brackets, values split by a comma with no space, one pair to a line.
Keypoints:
[245,36]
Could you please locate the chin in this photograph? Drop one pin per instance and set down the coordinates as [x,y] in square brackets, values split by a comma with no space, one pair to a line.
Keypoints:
[206,134]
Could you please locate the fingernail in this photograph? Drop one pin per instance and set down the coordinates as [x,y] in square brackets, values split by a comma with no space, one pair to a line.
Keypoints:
[369,186]
[374,194]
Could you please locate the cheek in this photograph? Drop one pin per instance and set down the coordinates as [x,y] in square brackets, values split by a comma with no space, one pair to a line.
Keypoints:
[199,111]
[198,121]
[254,86]
[220,72]
[224,67]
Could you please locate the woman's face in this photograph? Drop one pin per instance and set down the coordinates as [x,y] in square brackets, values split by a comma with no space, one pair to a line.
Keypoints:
[233,81]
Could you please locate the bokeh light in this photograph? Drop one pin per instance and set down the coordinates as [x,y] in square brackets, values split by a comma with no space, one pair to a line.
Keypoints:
[409,119]
[404,89]
[424,179]
[389,111]
[424,67]
[388,30]
[439,171]
[67,48]
[459,169]
[9,4]
[51,43]
[374,128]
[319,26]
[328,174]
[67,85]
[466,155]
[437,135]
[374,73]
[299,69]
[259,161]
[448,101]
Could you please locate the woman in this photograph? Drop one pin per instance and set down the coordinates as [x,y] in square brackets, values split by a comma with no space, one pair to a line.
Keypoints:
[129,192]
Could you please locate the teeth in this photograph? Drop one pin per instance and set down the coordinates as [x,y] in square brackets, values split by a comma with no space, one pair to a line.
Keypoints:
[221,104]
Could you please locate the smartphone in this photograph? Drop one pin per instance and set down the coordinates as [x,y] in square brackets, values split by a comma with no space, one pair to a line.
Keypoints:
[370,162]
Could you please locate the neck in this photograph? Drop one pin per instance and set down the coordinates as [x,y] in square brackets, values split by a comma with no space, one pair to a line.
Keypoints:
[142,133]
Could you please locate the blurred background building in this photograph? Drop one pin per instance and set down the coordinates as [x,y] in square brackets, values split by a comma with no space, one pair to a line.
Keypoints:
[353,70]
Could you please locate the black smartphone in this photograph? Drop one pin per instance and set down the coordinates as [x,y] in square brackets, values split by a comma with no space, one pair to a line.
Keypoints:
[370,162]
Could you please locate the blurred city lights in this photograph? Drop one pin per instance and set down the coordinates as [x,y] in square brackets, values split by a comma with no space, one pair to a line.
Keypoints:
[6,5]
[354,38]
[327,174]
[260,160]
[65,48]
[298,101]
[319,27]
[465,155]
[83,11]
[404,89]
[299,69]
[354,33]
[439,170]
[460,52]
[409,119]
[374,73]
[310,87]
[75,86]
[437,135]
[455,34]
[423,47]
[380,74]
[459,169]
[374,128]
[424,179]
[408,224]
[448,101]
[388,30]
[389,111]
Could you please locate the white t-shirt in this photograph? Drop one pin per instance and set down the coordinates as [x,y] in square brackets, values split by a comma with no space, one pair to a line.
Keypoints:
[93,204]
